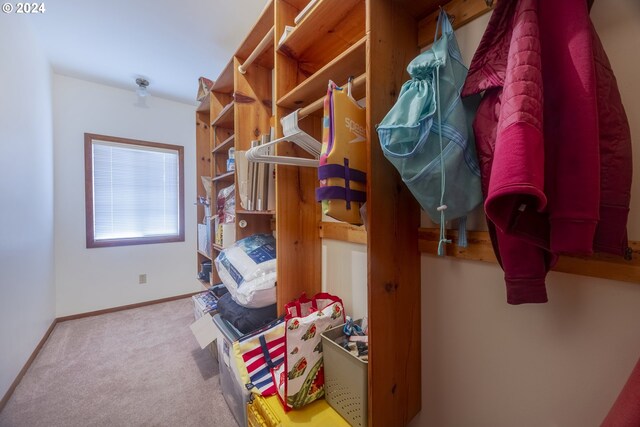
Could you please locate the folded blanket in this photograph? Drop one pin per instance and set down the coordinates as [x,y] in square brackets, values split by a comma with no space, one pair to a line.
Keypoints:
[245,319]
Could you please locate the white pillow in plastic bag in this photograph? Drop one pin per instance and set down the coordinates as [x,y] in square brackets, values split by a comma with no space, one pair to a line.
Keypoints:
[248,270]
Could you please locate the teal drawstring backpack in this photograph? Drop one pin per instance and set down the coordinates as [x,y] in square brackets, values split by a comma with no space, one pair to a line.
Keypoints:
[427,134]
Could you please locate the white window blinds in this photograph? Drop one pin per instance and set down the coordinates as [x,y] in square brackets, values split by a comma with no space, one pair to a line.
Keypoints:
[135,191]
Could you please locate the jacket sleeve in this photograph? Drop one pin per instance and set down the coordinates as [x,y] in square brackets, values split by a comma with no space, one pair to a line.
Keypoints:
[525,267]
[570,126]
[517,178]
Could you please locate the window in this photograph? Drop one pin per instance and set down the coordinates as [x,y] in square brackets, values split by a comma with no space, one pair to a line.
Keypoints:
[134,191]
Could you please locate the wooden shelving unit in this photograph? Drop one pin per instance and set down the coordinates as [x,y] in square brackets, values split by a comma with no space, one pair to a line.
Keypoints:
[265,57]
[224,82]
[225,117]
[238,106]
[261,27]
[204,284]
[373,40]
[246,212]
[331,26]
[377,49]
[298,5]
[204,166]
[351,62]
[204,104]
[358,90]
[343,232]
[227,176]
[224,145]
[254,94]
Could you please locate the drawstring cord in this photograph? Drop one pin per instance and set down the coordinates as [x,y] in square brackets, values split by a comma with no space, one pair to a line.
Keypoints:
[442,207]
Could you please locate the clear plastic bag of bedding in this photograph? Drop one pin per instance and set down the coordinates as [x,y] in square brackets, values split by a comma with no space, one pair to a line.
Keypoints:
[248,270]
[226,205]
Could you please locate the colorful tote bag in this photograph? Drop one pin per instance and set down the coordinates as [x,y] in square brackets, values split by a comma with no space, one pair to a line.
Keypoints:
[260,352]
[343,157]
[427,134]
[300,378]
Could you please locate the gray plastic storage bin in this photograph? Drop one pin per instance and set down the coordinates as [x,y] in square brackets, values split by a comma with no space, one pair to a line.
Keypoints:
[345,379]
[235,393]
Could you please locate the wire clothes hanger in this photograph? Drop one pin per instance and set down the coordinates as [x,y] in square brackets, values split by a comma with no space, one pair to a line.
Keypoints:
[292,133]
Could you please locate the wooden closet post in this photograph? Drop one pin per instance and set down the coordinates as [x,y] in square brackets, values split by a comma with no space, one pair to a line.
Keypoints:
[203,168]
[298,245]
[393,217]
[252,115]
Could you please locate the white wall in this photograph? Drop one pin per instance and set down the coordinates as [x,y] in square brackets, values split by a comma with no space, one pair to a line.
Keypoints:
[27,299]
[98,278]
[344,273]
[486,363]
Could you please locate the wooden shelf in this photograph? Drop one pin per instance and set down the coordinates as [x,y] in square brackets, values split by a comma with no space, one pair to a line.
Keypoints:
[225,118]
[461,12]
[329,28]
[227,176]
[343,232]
[298,4]
[479,248]
[204,104]
[217,247]
[393,261]
[359,90]
[224,145]
[204,283]
[349,63]
[247,212]
[265,59]
[204,254]
[224,83]
[254,37]
[420,9]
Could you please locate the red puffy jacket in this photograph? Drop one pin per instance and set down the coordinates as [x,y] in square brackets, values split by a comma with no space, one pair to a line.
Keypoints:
[552,138]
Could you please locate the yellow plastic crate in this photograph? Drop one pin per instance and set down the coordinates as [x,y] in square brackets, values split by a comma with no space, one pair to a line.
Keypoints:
[271,412]
[261,408]
[254,418]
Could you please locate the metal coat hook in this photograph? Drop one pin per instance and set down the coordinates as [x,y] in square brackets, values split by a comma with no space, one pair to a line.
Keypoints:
[628,254]
[452,17]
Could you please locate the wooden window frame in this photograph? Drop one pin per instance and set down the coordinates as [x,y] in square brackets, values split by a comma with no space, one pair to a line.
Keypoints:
[88,191]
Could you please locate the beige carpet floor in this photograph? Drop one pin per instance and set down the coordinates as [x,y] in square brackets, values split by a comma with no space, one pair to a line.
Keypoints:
[139,367]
